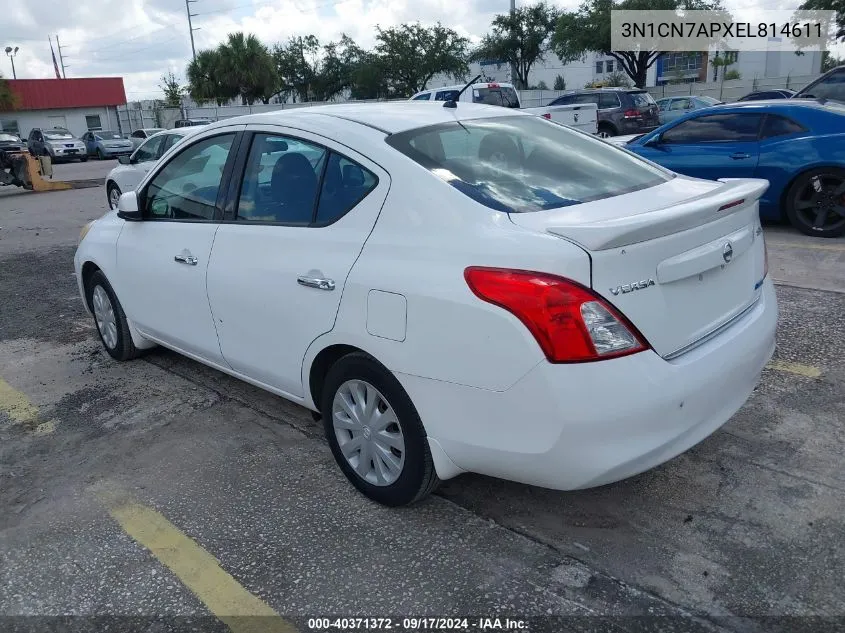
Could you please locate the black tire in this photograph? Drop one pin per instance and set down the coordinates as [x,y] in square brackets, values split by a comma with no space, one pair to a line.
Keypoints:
[109,189]
[822,217]
[83,158]
[124,348]
[100,154]
[418,478]
[605,130]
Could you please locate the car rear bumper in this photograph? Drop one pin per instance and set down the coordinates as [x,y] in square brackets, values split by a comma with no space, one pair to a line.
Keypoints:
[582,425]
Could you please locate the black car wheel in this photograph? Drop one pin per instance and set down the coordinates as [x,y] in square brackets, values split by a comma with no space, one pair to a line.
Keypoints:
[815,202]
[100,154]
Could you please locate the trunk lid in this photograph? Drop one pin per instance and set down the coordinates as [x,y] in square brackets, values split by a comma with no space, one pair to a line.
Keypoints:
[680,260]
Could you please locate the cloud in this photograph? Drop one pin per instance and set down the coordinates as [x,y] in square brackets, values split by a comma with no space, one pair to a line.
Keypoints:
[142,39]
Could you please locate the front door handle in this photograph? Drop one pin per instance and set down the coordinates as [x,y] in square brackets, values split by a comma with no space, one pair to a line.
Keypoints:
[316,282]
[190,260]
[740,155]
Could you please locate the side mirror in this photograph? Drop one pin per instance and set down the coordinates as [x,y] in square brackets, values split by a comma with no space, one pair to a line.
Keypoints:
[124,160]
[127,207]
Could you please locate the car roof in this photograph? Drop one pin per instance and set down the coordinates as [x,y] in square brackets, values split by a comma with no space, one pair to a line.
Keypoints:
[775,104]
[387,117]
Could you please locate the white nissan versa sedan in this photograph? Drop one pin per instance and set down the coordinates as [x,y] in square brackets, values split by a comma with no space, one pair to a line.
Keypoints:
[452,289]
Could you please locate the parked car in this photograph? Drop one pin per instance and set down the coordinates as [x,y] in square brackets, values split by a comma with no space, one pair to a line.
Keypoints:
[140,135]
[768,95]
[673,107]
[192,122]
[830,85]
[797,145]
[11,142]
[57,143]
[581,116]
[132,169]
[106,144]
[620,110]
[525,342]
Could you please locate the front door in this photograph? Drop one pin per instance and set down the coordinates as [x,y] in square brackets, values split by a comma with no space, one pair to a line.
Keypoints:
[162,260]
[280,261]
[711,146]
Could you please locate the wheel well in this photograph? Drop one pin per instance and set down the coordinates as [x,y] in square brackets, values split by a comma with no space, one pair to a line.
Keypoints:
[88,269]
[110,183]
[321,365]
[608,125]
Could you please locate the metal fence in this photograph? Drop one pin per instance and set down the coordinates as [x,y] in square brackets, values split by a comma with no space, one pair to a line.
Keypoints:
[132,118]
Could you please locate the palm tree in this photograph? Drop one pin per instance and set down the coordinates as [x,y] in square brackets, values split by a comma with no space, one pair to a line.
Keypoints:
[246,68]
[205,78]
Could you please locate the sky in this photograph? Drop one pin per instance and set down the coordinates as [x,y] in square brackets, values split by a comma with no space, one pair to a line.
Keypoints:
[142,39]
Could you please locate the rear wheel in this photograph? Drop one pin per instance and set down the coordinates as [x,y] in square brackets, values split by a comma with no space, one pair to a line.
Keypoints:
[109,318]
[375,433]
[815,202]
[606,131]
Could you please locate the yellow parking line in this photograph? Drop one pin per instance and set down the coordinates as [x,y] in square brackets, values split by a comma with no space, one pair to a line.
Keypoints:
[816,247]
[807,371]
[198,570]
[21,410]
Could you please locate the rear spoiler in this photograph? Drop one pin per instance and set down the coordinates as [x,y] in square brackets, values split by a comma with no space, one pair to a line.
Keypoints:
[737,194]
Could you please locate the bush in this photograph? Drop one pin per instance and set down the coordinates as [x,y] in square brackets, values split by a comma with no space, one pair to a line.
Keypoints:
[560,83]
[732,74]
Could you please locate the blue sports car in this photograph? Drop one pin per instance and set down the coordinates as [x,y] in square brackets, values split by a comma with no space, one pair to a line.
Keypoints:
[798,145]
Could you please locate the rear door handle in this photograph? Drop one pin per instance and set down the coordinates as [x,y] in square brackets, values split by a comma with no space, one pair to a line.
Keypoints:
[740,155]
[190,260]
[316,282]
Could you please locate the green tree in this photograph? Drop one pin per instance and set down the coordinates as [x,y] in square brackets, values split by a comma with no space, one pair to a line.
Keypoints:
[173,91]
[411,54]
[829,5]
[297,66]
[8,99]
[369,78]
[587,29]
[560,83]
[617,79]
[829,61]
[732,74]
[205,78]
[247,68]
[542,85]
[520,38]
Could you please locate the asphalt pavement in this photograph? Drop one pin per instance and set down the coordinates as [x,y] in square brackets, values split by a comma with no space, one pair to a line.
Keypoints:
[162,488]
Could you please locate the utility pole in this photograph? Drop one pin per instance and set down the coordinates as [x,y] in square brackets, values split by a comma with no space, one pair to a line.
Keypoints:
[514,79]
[61,57]
[191,28]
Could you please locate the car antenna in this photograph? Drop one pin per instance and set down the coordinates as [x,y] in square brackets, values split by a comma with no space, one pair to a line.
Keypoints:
[453,102]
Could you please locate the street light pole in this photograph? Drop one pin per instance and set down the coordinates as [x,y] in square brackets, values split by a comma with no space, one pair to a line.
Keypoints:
[191,28]
[11,52]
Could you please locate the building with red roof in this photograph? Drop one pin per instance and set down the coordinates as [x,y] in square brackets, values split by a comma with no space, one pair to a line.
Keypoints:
[79,104]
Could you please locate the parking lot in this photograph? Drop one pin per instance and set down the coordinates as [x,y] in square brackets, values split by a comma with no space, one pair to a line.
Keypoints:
[161,487]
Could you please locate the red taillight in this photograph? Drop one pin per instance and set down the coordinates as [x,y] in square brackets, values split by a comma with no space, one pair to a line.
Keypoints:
[492,85]
[729,205]
[569,321]
[547,115]
[632,114]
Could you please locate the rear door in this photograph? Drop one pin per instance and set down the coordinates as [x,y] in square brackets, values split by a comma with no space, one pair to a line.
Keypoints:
[723,145]
[296,222]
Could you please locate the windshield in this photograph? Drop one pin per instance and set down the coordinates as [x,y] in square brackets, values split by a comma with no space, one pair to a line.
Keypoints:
[642,99]
[108,136]
[500,96]
[5,138]
[830,87]
[525,163]
[56,135]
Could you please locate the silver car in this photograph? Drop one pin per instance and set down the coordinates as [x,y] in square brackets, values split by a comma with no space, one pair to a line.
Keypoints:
[672,108]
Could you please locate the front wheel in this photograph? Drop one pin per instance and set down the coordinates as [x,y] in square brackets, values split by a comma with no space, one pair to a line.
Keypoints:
[113,194]
[815,202]
[100,154]
[109,318]
[375,433]
[83,158]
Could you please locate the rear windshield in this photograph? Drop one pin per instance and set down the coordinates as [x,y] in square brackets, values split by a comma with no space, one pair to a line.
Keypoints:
[525,163]
[641,99]
[501,96]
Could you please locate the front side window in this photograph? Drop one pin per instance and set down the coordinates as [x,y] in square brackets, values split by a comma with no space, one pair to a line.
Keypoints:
[150,150]
[187,187]
[715,128]
[525,163]
[281,180]
[426,96]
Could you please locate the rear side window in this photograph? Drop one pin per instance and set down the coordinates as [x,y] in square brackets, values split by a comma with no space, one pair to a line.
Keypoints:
[426,96]
[641,99]
[501,96]
[774,125]
[525,163]
[345,184]
[608,100]
[715,128]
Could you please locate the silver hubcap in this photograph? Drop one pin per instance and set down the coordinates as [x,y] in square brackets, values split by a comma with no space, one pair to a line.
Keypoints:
[604,135]
[368,433]
[114,197]
[104,315]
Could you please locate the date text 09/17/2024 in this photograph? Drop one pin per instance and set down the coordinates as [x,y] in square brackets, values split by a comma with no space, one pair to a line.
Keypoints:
[417,624]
